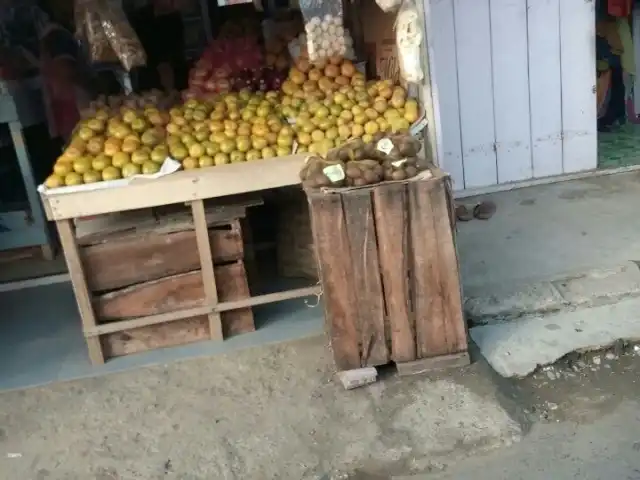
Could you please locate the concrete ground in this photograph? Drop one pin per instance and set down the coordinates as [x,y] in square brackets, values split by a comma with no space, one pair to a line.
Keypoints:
[585,424]
[545,231]
[265,413]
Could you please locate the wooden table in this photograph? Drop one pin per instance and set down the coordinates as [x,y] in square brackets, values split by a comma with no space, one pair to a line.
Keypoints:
[190,187]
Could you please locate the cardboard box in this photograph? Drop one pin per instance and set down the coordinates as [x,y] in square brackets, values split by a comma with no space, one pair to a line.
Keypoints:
[380,41]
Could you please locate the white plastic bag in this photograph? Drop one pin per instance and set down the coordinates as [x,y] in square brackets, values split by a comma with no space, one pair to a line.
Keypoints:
[388,5]
[408,41]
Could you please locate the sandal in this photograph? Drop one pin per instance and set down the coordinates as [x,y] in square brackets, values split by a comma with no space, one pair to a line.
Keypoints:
[484,210]
[463,214]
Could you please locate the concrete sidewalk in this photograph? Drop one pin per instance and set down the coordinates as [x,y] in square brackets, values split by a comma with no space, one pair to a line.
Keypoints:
[268,412]
[553,271]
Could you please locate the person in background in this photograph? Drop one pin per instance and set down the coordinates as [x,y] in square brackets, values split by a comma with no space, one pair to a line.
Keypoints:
[30,45]
[159,26]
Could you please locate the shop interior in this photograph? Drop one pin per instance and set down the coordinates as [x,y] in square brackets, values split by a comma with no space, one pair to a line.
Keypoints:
[40,335]
[618,88]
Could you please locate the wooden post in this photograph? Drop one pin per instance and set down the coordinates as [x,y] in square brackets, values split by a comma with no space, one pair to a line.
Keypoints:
[206,265]
[79,283]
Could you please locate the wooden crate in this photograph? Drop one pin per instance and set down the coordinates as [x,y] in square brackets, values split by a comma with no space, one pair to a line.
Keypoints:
[148,264]
[389,274]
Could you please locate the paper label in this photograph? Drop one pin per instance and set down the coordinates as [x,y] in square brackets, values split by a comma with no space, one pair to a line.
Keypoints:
[335,173]
[385,146]
[399,163]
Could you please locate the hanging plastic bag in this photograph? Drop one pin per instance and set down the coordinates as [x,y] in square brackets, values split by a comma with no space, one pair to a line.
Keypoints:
[122,38]
[99,48]
[388,5]
[408,41]
[325,32]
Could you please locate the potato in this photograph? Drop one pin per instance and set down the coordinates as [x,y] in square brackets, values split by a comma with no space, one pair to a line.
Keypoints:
[370,177]
[352,170]
[411,171]
[399,175]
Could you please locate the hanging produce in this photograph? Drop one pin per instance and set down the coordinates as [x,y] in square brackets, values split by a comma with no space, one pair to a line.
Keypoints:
[409,40]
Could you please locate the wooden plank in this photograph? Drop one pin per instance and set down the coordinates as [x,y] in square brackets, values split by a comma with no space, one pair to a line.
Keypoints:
[361,232]
[183,186]
[156,336]
[197,311]
[207,271]
[173,293]
[426,365]
[431,333]
[475,86]
[225,306]
[392,230]
[334,262]
[441,42]
[579,110]
[545,96]
[448,271]
[138,259]
[80,289]
[170,219]
[511,89]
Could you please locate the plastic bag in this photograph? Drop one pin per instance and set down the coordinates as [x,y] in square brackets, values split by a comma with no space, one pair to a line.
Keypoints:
[388,5]
[122,38]
[100,49]
[89,31]
[408,41]
[324,27]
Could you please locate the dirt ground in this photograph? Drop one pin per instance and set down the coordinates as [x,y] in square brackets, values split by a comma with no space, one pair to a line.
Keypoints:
[267,413]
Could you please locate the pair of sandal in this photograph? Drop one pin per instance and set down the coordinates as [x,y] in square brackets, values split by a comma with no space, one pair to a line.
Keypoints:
[482,211]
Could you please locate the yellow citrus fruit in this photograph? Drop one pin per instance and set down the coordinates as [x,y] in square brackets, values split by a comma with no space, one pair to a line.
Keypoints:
[205,161]
[111,173]
[54,181]
[190,163]
[62,168]
[130,169]
[100,162]
[253,155]
[73,178]
[149,167]
[221,158]
[268,152]
[82,165]
[91,176]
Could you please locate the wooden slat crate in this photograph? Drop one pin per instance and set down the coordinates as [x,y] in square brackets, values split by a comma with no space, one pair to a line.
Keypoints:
[389,274]
[142,264]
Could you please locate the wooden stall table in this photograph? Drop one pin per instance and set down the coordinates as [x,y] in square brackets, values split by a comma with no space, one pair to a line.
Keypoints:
[183,187]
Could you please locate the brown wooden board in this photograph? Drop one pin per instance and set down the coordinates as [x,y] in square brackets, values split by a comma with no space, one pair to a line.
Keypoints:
[451,294]
[432,329]
[361,232]
[120,263]
[179,292]
[392,229]
[334,262]
[155,336]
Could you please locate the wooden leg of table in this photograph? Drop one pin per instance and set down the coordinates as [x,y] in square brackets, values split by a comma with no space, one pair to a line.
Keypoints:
[206,265]
[47,252]
[79,283]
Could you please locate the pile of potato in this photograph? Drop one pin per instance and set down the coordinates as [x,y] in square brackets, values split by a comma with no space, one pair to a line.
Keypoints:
[356,163]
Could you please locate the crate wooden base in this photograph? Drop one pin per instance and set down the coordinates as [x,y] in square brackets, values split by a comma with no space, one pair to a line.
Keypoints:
[389,272]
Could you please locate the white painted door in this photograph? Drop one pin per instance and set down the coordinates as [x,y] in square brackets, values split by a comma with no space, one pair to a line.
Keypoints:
[513,84]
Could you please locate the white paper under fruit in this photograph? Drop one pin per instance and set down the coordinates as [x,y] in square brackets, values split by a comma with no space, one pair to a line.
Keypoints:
[168,167]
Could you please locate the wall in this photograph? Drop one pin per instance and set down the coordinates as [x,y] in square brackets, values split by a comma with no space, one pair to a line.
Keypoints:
[513,86]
